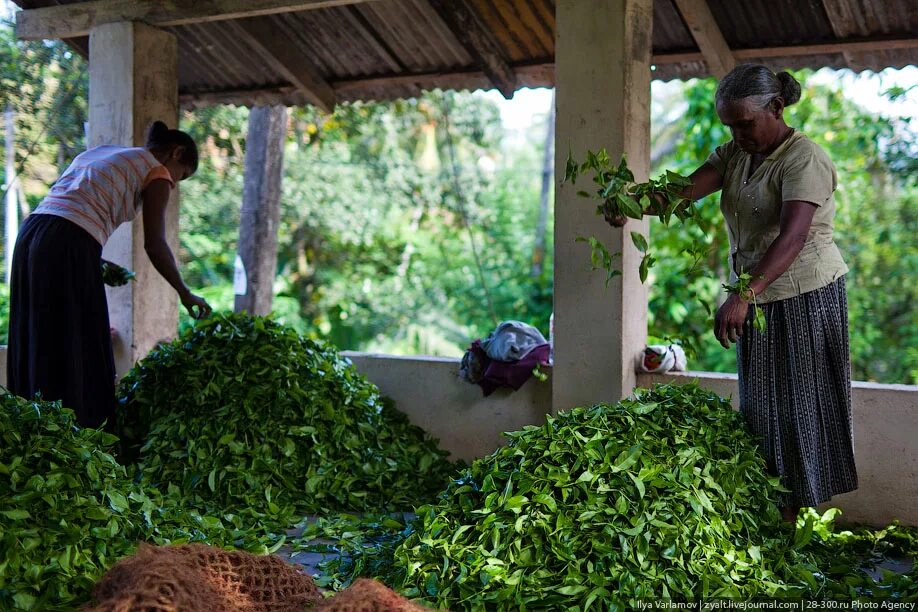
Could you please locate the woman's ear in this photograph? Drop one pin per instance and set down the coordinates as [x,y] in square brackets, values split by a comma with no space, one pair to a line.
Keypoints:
[178,152]
[777,107]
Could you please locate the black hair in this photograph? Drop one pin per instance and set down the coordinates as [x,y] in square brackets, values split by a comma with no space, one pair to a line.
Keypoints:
[160,139]
[759,82]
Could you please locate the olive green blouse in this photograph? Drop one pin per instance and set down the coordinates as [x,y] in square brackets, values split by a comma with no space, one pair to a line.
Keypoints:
[797,170]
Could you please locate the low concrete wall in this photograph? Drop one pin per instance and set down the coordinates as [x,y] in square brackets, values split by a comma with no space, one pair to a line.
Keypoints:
[430,392]
[468,425]
[885,446]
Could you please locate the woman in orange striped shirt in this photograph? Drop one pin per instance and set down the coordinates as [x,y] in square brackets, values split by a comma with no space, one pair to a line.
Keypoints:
[59,337]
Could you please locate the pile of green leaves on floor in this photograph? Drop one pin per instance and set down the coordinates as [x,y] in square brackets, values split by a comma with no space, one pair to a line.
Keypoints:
[664,495]
[242,415]
[354,545]
[68,510]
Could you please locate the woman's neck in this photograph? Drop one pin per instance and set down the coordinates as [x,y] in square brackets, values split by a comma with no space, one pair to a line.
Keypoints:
[783,134]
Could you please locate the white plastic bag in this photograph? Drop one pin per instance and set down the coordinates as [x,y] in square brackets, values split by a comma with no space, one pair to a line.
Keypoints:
[662,358]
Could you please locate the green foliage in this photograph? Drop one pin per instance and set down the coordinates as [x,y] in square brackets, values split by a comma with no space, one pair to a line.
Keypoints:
[115,275]
[373,243]
[620,196]
[664,495]
[68,509]
[242,415]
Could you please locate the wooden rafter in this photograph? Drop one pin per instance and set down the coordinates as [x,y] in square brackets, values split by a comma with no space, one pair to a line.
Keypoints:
[465,24]
[77,19]
[284,57]
[843,25]
[842,46]
[710,40]
[534,75]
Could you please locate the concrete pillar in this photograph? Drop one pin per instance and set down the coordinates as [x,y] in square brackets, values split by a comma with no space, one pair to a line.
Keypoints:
[133,80]
[602,81]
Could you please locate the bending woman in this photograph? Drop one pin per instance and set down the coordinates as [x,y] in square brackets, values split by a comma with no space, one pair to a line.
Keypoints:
[59,335]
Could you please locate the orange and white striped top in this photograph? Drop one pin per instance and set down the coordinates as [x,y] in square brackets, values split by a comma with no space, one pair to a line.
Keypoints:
[102,188]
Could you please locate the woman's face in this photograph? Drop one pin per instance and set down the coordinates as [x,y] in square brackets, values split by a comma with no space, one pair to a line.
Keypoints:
[177,169]
[755,130]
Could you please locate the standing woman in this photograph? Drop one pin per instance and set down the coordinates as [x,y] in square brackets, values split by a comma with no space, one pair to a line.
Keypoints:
[59,335]
[777,200]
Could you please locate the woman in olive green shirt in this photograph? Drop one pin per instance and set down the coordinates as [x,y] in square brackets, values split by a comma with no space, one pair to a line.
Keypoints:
[777,200]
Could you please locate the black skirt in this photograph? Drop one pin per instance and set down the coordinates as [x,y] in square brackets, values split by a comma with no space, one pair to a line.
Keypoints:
[795,392]
[59,340]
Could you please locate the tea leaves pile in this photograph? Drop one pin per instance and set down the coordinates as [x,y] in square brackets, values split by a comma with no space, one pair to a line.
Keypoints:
[245,416]
[68,510]
[664,495]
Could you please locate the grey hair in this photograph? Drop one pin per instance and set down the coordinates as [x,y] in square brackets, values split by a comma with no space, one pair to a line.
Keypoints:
[759,84]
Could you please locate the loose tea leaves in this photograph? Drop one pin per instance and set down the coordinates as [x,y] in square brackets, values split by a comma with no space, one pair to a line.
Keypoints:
[245,415]
[68,509]
[661,496]
[114,275]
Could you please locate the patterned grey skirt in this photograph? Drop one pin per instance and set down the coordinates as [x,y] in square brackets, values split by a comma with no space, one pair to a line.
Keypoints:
[795,393]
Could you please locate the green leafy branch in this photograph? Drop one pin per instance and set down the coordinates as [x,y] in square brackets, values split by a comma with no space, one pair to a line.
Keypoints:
[620,196]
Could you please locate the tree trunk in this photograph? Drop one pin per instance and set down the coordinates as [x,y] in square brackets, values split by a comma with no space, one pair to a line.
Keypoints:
[538,251]
[256,263]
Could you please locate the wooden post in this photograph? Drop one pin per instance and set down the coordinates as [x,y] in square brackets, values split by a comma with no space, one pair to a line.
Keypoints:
[264,162]
[602,76]
[12,191]
[538,252]
[133,80]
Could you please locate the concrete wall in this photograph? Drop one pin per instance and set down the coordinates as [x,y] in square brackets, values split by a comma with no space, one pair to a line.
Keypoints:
[430,392]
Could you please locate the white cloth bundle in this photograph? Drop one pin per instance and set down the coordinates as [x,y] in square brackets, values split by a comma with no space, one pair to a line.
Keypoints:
[662,358]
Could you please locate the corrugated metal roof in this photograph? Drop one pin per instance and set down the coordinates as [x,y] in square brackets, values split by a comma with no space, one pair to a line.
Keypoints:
[384,49]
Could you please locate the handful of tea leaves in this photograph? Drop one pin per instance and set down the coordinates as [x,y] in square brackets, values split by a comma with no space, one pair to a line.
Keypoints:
[620,196]
[114,275]
[741,288]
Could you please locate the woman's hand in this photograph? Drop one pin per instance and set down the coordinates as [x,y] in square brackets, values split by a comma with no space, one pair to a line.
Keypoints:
[616,220]
[190,301]
[729,320]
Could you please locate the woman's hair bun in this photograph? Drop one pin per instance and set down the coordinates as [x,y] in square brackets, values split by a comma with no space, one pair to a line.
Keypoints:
[157,131]
[161,139]
[790,88]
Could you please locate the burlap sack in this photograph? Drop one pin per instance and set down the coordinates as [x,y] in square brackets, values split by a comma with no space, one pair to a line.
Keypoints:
[199,578]
[367,596]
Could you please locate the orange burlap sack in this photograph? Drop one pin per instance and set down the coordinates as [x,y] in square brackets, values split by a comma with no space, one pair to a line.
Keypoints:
[200,578]
[367,596]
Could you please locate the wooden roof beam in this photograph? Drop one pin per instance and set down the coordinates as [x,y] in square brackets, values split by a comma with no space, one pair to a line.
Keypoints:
[843,25]
[77,19]
[465,24]
[284,57]
[710,40]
